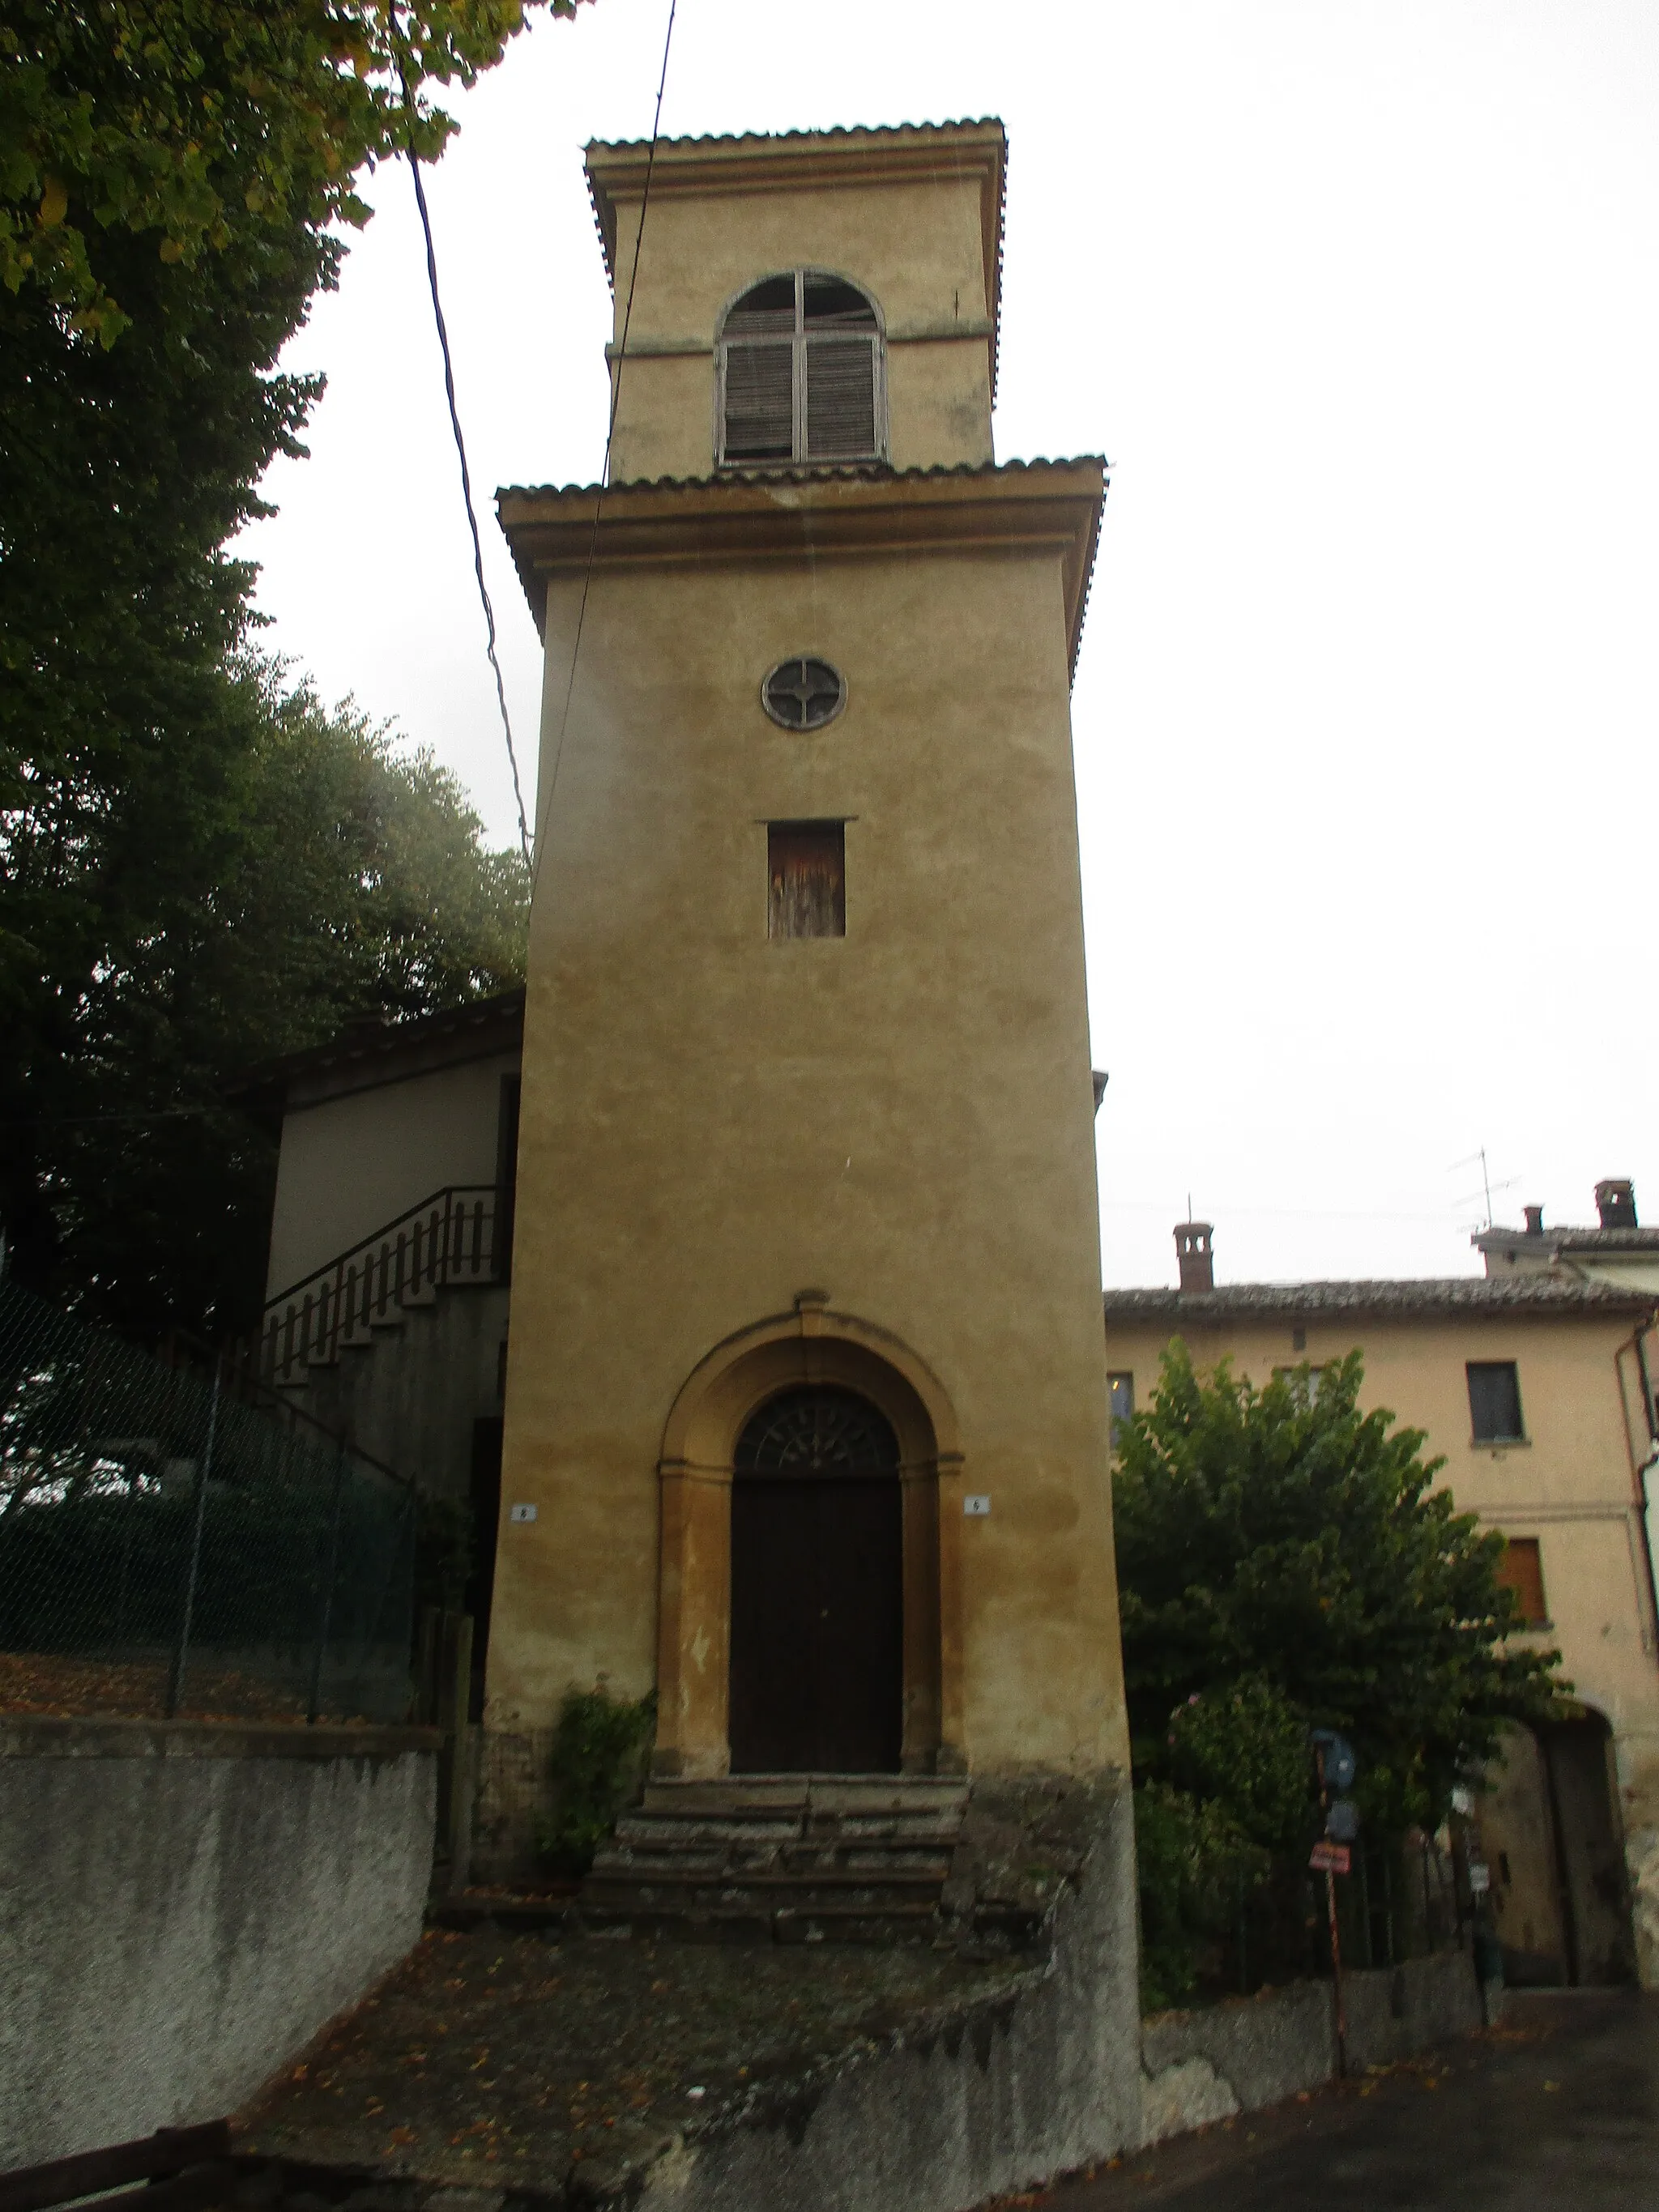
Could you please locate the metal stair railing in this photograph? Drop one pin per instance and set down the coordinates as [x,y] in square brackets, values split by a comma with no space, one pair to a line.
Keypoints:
[457,1236]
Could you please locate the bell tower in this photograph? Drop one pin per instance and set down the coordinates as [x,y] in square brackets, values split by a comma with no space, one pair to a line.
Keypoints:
[807,1380]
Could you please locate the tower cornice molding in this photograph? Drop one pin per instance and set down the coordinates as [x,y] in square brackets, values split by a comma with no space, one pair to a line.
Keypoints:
[1029,507]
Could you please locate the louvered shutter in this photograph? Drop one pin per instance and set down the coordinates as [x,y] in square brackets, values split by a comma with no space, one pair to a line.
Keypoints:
[841,399]
[760,401]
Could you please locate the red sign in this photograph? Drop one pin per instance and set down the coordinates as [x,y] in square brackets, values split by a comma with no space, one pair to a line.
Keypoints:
[1330,1858]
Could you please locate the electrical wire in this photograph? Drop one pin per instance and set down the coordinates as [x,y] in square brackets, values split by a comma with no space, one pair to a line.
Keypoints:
[414,161]
[544,806]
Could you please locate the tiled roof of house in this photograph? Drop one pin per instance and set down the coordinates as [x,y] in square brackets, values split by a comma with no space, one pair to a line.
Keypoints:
[1443,1294]
[1567,1240]
[495,1021]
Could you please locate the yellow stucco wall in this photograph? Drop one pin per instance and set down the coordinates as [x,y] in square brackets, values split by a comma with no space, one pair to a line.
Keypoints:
[917,243]
[712,1121]
[899,1120]
[1571,1485]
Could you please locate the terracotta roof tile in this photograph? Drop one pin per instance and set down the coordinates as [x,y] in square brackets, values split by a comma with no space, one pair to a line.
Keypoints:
[813,472]
[1469,1294]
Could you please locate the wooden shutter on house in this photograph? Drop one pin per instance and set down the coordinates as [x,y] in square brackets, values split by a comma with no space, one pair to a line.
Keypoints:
[1522,1569]
[807,892]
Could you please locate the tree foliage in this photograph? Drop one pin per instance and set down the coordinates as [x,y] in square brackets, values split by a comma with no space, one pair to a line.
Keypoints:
[327,875]
[1244,1745]
[199,866]
[204,124]
[1279,1543]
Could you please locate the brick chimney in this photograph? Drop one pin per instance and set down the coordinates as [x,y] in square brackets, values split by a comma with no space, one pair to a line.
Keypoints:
[1615,1202]
[1193,1250]
[1535,1219]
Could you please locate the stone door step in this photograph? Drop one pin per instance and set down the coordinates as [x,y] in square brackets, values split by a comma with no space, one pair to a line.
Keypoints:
[736,1796]
[783,1857]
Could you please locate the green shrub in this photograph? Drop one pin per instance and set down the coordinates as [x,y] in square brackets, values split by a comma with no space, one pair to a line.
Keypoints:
[1194,1865]
[1246,1747]
[597,1761]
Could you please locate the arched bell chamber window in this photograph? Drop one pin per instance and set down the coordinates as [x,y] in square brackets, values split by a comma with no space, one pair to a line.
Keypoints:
[799,364]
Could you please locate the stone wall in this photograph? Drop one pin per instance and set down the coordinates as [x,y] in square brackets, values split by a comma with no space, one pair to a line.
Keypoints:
[1251,2052]
[185,1904]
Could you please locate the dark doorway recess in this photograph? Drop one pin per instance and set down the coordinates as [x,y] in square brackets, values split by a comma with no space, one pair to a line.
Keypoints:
[818,1589]
[485,1507]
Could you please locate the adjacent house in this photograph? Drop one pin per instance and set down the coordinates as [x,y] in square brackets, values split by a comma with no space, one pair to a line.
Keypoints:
[390,1271]
[1617,1250]
[1534,1383]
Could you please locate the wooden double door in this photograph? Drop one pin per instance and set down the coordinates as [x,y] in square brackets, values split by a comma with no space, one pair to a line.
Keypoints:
[817,1597]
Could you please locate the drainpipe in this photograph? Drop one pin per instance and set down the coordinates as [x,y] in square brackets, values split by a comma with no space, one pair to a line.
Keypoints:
[1647,1475]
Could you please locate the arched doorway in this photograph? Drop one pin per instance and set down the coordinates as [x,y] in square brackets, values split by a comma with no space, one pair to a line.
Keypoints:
[814,1349]
[1551,1835]
[817,1588]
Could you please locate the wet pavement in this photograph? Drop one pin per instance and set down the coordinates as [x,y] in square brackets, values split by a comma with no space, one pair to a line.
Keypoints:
[1555,2110]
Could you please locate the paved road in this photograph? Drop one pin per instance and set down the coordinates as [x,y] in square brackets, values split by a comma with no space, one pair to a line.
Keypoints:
[1556,2110]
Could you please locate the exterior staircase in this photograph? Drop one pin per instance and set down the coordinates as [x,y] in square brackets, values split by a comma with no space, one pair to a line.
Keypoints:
[785,1858]
[399,1342]
[461,1235]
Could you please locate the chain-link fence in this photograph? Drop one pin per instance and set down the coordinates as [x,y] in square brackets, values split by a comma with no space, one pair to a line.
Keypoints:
[173,1539]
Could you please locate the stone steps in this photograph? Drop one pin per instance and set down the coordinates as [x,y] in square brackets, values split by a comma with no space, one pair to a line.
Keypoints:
[782,1858]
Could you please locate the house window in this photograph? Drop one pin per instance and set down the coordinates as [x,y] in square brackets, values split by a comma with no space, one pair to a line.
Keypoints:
[1120,1399]
[1522,1570]
[1495,1402]
[1302,1382]
[798,362]
[806,875]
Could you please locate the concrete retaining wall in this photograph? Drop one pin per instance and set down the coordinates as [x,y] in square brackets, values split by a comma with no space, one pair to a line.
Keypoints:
[184,1903]
[1007,2093]
[1252,2052]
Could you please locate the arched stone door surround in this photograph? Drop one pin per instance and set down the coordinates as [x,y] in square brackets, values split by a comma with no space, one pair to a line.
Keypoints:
[811,1346]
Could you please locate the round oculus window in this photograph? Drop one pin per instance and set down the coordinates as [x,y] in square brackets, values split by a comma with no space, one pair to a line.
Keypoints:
[804,694]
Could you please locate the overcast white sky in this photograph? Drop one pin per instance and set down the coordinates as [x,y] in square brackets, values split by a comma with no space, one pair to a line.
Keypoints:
[1362,302]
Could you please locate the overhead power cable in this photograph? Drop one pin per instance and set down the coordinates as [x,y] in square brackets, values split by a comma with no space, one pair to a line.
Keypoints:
[544,804]
[466,478]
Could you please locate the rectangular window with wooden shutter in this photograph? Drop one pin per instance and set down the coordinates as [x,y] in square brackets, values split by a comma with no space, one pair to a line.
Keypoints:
[1522,1569]
[1495,1402]
[806,874]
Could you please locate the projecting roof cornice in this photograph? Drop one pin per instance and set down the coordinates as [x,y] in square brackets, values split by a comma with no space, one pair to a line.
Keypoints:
[1030,507]
[1498,1296]
[795,160]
